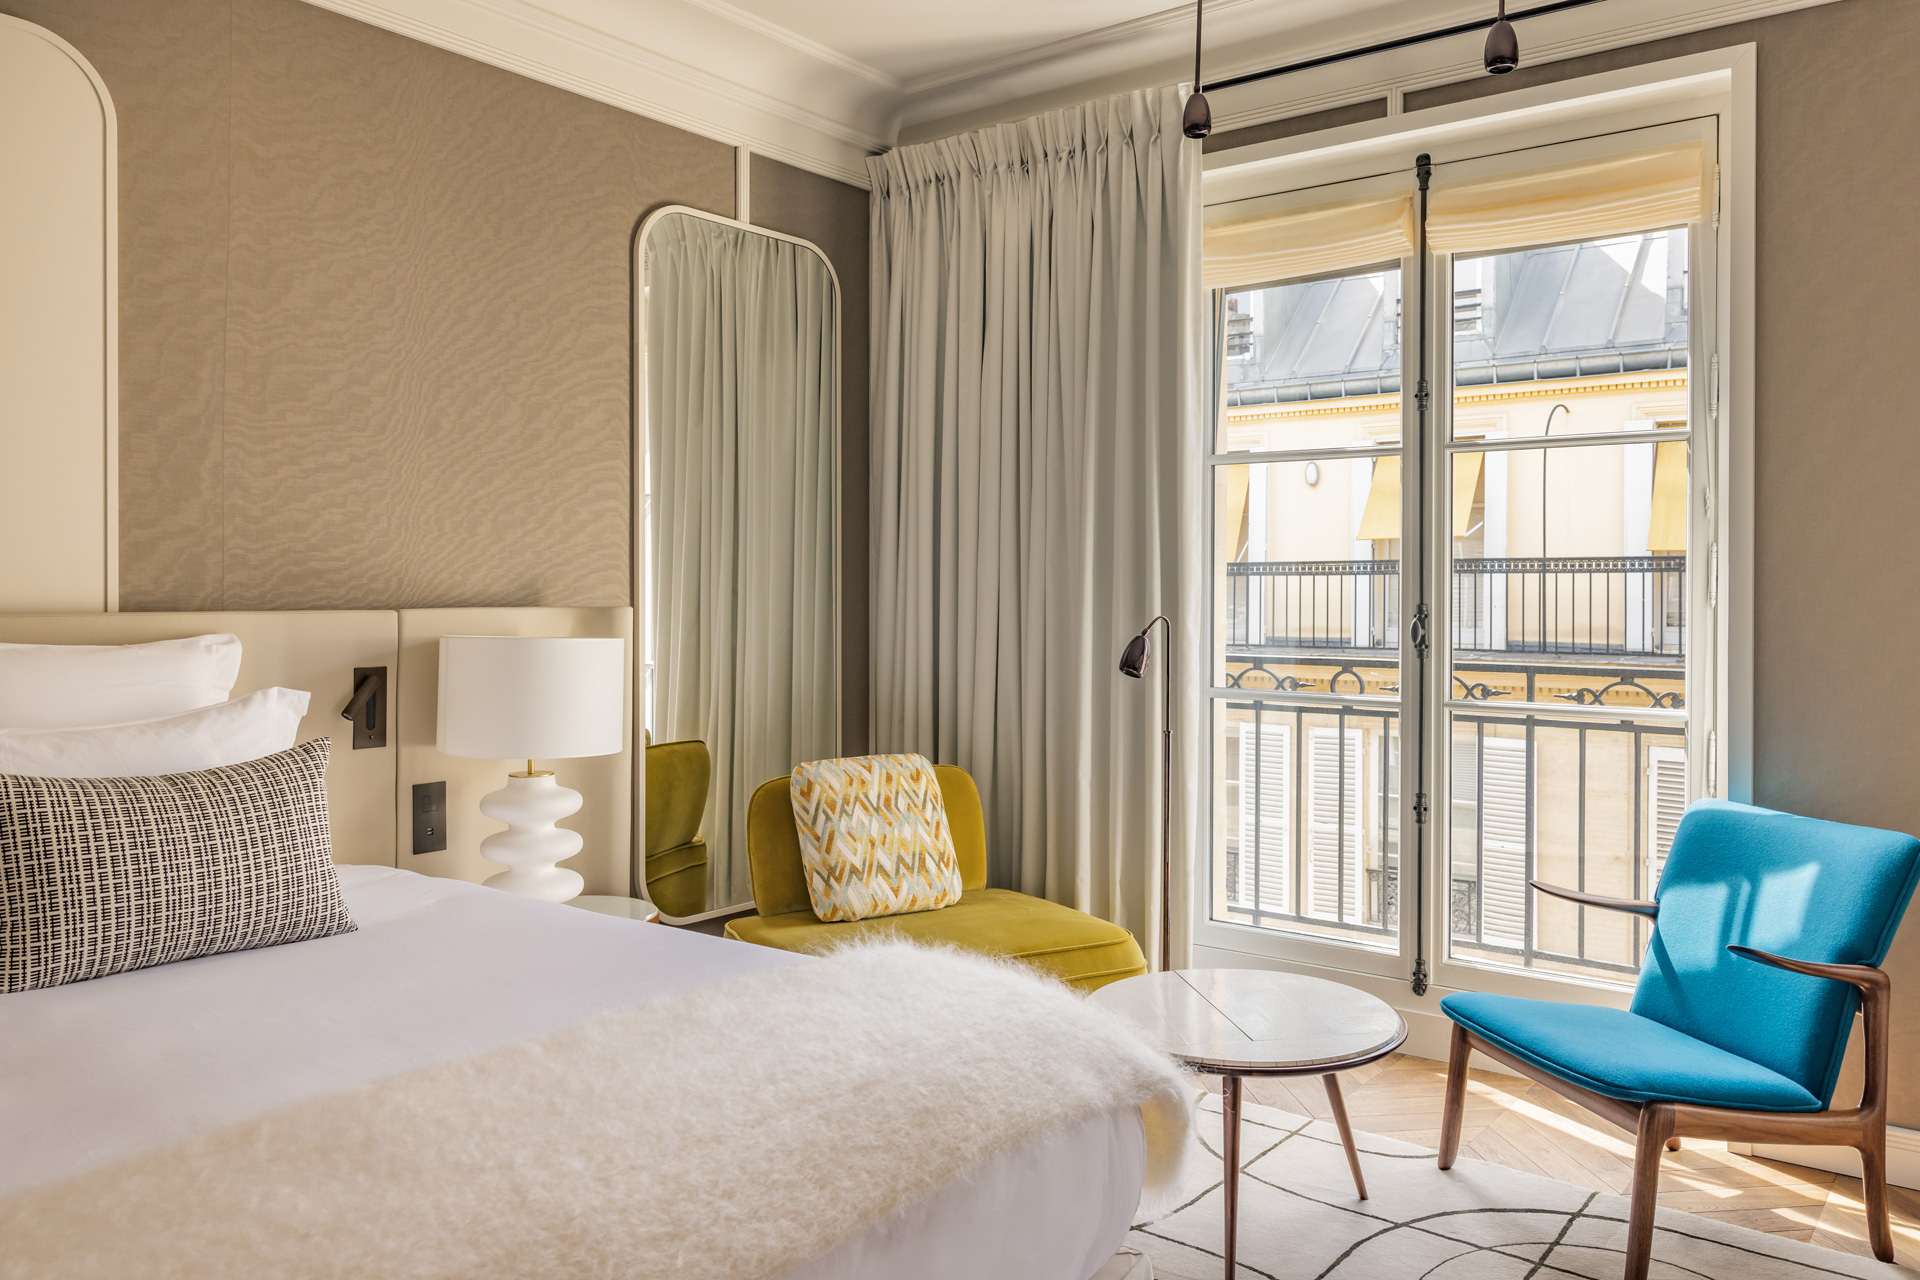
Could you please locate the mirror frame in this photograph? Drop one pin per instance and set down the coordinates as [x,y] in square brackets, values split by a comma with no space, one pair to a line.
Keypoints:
[637,515]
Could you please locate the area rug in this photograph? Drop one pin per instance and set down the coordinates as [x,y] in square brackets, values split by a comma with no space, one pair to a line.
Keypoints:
[1300,1220]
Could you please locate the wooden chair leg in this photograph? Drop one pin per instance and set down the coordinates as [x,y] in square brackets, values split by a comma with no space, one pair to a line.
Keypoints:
[1873,1177]
[1656,1126]
[1453,1113]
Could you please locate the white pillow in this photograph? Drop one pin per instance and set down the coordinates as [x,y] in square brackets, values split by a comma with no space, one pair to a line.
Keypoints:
[235,732]
[66,686]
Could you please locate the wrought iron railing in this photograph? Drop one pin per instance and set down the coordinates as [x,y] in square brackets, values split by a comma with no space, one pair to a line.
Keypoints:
[1632,607]
[1337,871]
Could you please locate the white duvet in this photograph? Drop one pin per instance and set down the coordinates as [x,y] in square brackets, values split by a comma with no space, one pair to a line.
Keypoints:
[97,1072]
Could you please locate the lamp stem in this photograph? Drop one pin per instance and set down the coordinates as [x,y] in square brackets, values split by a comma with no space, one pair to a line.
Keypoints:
[1166,808]
[1166,796]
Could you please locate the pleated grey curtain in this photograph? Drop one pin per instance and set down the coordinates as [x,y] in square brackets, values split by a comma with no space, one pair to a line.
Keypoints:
[1037,464]
[742,454]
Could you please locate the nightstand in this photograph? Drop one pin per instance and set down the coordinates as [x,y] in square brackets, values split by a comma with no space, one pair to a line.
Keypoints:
[608,905]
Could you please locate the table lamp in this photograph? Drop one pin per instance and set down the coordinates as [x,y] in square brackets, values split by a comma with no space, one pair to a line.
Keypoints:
[532,698]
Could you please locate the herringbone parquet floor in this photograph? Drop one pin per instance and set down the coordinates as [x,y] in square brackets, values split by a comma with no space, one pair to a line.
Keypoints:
[1516,1123]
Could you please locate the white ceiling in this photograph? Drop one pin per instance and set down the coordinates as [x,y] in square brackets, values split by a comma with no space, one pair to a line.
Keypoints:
[919,43]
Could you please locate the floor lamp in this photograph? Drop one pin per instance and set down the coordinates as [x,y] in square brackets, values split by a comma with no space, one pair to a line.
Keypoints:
[1133,662]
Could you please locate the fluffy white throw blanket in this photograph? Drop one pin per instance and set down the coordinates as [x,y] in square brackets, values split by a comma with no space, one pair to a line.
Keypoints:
[732,1132]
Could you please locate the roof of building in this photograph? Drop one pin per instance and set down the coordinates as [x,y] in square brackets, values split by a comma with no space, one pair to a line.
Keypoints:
[1566,311]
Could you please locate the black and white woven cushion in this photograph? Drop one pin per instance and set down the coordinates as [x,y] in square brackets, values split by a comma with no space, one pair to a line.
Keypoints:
[101,875]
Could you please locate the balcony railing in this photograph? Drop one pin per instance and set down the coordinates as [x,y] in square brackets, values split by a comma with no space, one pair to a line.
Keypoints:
[1631,607]
[1311,836]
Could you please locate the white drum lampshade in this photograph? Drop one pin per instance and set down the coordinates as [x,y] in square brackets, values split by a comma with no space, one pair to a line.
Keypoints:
[532,698]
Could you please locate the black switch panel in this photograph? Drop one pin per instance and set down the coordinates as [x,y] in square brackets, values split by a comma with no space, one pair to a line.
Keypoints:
[368,710]
[429,817]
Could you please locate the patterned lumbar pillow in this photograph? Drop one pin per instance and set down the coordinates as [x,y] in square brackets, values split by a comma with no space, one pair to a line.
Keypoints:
[874,837]
[100,875]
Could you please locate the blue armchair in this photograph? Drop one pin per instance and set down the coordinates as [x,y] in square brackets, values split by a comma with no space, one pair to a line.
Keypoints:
[1769,930]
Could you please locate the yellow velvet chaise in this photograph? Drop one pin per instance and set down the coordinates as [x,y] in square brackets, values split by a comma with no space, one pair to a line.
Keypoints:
[678,775]
[1082,950]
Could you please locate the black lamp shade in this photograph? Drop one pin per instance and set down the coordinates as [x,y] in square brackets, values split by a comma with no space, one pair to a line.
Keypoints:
[1133,662]
[1503,48]
[1197,120]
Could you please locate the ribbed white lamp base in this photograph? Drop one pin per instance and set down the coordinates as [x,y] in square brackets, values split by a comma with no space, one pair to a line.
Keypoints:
[530,846]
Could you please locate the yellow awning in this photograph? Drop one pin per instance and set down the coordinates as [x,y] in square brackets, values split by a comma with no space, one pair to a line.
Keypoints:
[1230,511]
[1381,518]
[1667,530]
[1466,479]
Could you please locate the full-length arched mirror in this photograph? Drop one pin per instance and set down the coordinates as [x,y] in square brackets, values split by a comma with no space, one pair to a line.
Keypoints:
[737,524]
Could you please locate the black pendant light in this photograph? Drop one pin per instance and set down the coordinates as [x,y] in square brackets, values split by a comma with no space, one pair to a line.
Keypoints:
[1197,120]
[1503,46]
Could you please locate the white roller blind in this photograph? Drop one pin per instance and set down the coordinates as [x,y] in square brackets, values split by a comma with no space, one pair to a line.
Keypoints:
[1285,244]
[1266,817]
[1582,200]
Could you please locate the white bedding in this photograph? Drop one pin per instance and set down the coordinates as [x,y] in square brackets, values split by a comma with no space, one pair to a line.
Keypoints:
[98,1071]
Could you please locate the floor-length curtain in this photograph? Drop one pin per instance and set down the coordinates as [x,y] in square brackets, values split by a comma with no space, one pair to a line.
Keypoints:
[1036,463]
[742,353]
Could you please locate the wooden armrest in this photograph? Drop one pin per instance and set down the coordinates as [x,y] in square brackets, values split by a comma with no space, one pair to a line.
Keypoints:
[1863,976]
[1633,905]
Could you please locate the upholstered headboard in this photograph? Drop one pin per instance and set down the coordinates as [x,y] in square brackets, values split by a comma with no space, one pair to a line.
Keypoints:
[370,790]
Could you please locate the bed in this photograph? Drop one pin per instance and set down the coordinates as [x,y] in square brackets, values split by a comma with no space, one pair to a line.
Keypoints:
[100,1071]
[97,1074]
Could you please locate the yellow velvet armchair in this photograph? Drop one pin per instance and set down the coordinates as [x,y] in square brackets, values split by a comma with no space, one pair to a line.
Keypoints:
[678,775]
[1082,950]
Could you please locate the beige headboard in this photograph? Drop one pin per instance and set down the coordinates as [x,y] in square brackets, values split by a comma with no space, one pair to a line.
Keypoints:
[370,790]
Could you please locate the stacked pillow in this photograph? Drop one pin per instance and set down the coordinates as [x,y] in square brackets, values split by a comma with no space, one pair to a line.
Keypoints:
[144,818]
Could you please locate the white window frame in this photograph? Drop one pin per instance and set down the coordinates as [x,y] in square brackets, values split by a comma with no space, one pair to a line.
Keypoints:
[1712,91]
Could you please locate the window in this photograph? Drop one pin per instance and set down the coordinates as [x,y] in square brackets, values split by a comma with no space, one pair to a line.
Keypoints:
[1538,515]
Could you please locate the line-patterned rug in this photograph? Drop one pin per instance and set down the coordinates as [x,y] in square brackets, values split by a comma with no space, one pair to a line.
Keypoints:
[1300,1220]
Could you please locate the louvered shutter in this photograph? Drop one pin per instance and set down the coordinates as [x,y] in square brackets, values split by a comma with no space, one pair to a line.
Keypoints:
[1266,817]
[1503,841]
[1667,800]
[1333,830]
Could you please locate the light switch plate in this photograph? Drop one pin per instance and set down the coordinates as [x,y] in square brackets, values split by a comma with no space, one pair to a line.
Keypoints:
[429,817]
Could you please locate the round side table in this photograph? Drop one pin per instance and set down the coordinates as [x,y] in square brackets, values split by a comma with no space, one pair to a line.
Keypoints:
[611,905]
[1255,1022]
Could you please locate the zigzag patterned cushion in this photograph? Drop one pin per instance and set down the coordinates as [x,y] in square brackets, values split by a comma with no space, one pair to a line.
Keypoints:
[874,837]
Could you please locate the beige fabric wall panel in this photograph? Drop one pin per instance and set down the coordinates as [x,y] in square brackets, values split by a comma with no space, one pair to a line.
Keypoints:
[605,820]
[56,326]
[1836,727]
[316,652]
[375,306]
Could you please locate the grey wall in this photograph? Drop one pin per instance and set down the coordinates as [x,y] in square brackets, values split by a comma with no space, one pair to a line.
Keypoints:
[376,310]
[1836,716]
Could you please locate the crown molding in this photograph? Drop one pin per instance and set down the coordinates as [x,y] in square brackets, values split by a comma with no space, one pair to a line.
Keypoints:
[794,40]
[1158,50]
[714,69]
[685,64]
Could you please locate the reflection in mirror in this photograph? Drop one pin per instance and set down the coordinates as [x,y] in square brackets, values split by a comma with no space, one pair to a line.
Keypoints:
[739,525]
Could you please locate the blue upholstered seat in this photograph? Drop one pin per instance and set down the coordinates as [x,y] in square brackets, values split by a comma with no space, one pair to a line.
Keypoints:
[1622,1055]
[1706,1025]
